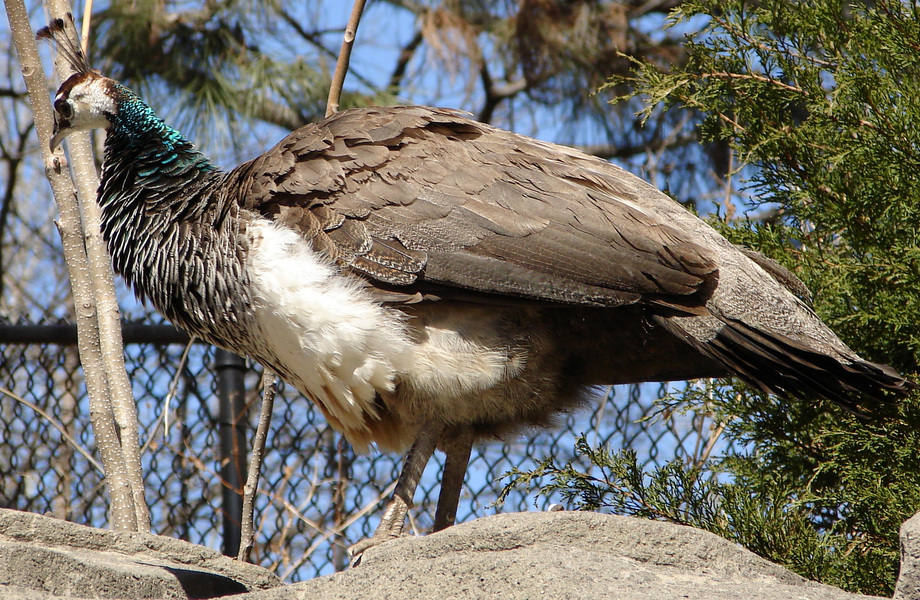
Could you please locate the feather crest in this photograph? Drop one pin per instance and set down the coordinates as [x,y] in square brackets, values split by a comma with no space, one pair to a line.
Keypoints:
[68,47]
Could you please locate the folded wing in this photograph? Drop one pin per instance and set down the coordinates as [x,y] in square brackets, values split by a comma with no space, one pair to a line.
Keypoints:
[423,200]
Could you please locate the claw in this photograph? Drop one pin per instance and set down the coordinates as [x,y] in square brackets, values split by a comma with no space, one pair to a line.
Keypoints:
[394,517]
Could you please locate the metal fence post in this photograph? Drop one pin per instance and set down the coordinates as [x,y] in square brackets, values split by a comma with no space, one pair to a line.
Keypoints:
[231,391]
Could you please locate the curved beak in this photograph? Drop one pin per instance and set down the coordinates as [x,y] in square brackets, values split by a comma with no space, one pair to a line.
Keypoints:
[61,130]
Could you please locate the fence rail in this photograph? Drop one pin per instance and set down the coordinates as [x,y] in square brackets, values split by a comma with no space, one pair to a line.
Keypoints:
[316,497]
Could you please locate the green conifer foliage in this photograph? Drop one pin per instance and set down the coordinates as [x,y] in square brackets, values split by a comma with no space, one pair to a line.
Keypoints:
[820,103]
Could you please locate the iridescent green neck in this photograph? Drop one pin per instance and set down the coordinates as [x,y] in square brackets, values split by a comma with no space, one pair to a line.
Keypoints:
[139,132]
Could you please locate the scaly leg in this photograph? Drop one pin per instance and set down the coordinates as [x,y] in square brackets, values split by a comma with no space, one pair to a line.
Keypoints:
[394,517]
[457,446]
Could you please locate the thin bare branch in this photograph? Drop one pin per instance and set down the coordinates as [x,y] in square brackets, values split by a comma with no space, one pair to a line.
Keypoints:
[339,528]
[341,66]
[495,94]
[711,444]
[402,64]
[57,425]
[84,33]
[269,388]
[14,161]
[315,39]
[163,419]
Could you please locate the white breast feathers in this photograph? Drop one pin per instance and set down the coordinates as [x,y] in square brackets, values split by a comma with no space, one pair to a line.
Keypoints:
[320,329]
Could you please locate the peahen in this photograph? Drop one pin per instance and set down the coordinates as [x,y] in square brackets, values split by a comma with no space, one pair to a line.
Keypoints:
[429,280]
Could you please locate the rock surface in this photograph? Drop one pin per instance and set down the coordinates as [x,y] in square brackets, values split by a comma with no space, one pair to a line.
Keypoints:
[554,555]
[560,555]
[44,558]
[908,587]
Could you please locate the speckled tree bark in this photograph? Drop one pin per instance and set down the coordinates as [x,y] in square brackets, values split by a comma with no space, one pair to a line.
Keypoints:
[99,335]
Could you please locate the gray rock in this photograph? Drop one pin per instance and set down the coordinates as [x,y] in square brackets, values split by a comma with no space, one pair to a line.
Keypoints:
[13,592]
[554,555]
[908,587]
[560,555]
[46,558]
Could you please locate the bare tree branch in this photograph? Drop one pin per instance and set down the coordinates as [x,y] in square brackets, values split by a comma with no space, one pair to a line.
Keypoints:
[57,425]
[14,161]
[657,144]
[84,32]
[402,64]
[269,388]
[315,39]
[341,66]
[496,94]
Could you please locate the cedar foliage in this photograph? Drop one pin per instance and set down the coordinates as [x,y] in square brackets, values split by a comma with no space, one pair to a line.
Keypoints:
[820,102]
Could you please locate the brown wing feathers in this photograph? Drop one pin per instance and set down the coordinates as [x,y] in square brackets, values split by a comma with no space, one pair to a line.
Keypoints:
[415,195]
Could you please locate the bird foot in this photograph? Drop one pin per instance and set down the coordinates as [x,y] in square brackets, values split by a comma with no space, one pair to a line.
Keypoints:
[356,551]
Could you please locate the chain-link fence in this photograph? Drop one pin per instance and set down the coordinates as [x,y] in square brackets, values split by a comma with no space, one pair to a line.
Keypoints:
[316,497]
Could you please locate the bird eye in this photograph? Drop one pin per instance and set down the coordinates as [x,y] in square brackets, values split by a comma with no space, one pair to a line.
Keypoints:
[63,108]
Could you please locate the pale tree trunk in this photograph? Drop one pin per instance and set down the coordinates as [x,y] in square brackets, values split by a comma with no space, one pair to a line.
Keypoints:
[112,409]
[108,315]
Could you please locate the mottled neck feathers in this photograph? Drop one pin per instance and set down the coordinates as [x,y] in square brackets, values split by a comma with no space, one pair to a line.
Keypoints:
[163,204]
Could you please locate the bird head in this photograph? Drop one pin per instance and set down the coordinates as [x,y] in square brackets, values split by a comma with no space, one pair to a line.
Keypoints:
[85,101]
